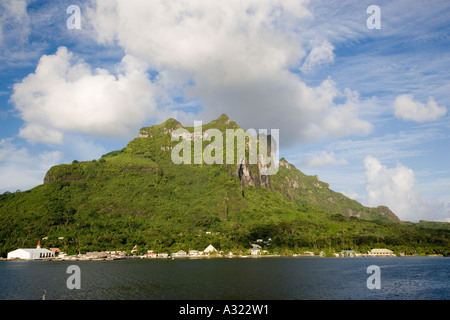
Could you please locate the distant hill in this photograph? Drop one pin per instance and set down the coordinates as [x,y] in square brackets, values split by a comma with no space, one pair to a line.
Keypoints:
[138,196]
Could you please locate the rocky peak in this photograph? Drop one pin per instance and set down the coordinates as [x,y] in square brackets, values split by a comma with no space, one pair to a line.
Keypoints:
[165,128]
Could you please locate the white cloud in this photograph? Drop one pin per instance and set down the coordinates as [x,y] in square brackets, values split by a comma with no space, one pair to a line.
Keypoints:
[320,54]
[234,57]
[323,159]
[395,188]
[407,108]
[64,95]
[20,170]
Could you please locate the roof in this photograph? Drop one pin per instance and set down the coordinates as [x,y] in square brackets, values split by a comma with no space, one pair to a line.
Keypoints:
[27,253]
[210,248]
[381,250]
[32,250]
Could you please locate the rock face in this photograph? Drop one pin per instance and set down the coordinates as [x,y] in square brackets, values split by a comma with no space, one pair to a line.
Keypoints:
[144,134]
[253,177]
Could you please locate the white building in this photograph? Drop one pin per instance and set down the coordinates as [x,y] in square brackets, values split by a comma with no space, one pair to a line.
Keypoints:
[209,249]
[195,253]
[381,253]
[31,254]
[180,253]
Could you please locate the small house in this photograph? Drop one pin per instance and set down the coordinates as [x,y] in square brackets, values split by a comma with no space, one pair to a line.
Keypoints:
[381,253]
[348,253]
[150,255]
[195,253]
[56,251]
[180,253]
[210,249]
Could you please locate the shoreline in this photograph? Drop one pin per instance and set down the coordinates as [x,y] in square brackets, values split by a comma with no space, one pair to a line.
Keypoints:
[215,257]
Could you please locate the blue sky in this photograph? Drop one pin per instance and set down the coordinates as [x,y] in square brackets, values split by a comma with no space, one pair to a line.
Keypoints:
[364,109]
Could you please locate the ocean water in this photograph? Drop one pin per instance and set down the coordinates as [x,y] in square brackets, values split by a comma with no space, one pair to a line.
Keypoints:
[275,278]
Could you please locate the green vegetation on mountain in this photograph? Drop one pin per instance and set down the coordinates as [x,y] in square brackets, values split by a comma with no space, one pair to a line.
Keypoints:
[137,195]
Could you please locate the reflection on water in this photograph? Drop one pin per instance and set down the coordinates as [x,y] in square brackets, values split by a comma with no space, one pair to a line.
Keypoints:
[423,278]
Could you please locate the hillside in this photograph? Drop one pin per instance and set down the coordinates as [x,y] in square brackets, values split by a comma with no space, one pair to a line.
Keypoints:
[137,195]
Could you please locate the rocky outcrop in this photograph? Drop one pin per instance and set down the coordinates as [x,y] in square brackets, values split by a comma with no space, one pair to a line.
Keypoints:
[144,134]
[249,177]
[284,163]
[166,128]
[351,213]
[383,210]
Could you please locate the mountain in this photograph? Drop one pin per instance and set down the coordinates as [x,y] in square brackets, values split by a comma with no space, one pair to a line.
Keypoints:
[138,195]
